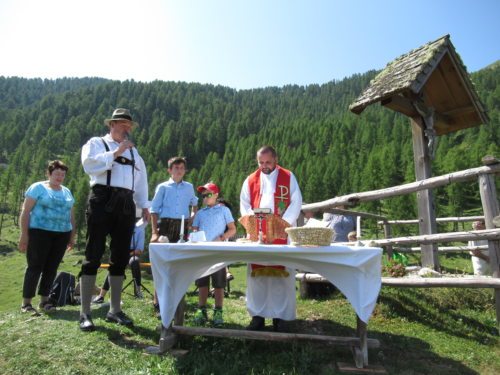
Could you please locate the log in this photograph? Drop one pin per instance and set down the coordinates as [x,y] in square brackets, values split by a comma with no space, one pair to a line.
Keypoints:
[456,219]
[310,277]
[473,235]
[422,156]
[388,234]
[433,182]
[490,160]
[442,249]
[442,282]
[491,209]
[271,336]
[421,282]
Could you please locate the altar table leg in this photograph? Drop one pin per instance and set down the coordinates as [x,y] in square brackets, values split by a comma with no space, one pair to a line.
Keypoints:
[179,313]
[167,337]
[361,352]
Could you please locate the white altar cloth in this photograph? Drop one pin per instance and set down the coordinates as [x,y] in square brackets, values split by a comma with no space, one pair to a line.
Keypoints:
[355,271]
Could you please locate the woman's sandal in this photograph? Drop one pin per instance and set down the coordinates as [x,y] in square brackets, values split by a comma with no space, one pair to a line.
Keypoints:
[47,306]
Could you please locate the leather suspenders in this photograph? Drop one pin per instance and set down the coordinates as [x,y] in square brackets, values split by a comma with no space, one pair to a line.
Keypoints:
[108,174]
[122,160]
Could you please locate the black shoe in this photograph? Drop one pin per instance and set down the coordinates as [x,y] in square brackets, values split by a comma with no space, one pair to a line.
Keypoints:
[86,323]
[257,324]
[279,325]
[138,294]
[120,318]
[98,300]
[28,308]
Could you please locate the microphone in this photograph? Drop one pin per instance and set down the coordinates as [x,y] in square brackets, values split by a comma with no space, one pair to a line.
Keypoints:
[128,138]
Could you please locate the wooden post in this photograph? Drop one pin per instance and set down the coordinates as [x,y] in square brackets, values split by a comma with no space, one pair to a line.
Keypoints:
[425,200]
[303,287]
[491,210]
[361,352]
[388,234]
[179,312]
[168,338]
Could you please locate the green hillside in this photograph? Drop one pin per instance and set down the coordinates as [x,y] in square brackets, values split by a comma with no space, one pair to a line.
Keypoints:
[218,129]
[332,152]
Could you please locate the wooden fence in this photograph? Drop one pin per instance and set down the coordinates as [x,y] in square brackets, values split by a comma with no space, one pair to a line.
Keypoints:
[485,176]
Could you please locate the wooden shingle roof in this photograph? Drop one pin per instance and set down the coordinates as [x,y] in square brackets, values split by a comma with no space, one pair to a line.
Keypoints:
[433,74]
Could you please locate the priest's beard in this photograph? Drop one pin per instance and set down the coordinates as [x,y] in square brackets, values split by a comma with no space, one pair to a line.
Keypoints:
[267,170]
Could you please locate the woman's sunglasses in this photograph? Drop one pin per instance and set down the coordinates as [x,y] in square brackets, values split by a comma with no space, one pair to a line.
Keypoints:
[207,195]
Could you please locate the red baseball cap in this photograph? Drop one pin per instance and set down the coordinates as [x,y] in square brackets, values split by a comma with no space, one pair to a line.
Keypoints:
[210,186]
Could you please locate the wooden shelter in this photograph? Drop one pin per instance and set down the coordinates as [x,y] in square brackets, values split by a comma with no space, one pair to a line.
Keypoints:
[431,86]
[434,76]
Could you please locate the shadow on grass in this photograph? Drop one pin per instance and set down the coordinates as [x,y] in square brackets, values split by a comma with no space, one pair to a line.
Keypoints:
[7,248]
[118,335]
[236,356]
[441,320]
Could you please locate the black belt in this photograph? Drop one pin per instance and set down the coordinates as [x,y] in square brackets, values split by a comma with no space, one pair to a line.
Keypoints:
[169,220]
[113,189]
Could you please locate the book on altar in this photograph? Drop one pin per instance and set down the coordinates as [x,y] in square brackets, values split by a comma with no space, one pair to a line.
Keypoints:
[273,227]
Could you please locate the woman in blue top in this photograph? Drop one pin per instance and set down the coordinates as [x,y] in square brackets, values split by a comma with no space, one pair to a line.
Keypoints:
[47,229]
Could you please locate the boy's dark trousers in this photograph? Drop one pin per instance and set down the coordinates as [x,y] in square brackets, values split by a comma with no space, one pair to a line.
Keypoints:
[172,229]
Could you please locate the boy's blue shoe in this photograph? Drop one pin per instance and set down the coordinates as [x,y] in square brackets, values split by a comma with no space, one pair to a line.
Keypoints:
[218,320]
[200,316]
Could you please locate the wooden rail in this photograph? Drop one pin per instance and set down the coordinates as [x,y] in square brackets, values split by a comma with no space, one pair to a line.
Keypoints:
[272,336]
[441,249]
[473,235]
[420,282]
[442,282]
[413,187]
[485,176]
[456,219]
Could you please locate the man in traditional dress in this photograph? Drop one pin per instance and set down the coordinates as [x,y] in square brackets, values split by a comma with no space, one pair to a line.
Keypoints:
[271,289]
[117,178]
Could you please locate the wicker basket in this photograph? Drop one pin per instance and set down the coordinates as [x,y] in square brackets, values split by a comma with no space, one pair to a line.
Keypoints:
[310,236]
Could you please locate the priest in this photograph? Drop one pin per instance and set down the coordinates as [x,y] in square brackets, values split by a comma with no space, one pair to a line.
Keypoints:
[271,289]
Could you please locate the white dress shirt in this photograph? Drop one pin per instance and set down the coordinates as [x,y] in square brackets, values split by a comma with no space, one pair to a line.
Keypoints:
[97,161]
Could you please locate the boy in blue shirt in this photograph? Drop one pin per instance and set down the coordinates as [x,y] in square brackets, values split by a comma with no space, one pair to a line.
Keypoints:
[217,222]
[170,204]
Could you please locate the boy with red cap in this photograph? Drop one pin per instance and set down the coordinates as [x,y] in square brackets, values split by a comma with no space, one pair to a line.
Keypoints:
[217,222]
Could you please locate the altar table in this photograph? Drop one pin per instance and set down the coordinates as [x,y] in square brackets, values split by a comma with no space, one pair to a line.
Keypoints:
[355,271]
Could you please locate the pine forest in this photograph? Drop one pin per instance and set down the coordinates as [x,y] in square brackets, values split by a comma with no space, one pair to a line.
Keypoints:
[218,129]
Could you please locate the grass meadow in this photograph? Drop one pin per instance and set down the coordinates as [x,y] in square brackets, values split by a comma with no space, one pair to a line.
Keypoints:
[422,331]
